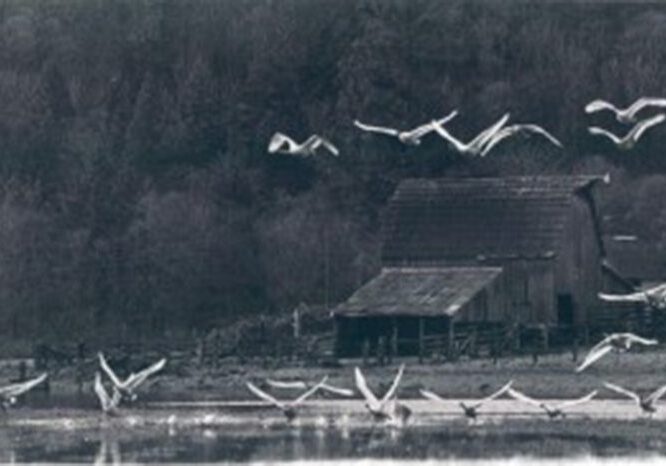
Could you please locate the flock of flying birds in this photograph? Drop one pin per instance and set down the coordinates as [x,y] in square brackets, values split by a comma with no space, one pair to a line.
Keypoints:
[490,137]
[388,409]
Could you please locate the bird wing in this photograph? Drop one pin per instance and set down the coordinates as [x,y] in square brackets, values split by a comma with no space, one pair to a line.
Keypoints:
[456,143]
[394,387]
[643,341]
[497,393]
[638,297]
[104,400]
[497,138]
[420,131]
[623,391]
[602,132]
[640,127]
[362,386]
[310,392]
[109,372]
[17,389]
[594,356]
[515,394]
[656,395]
[329,145]
[577,401]
[140,377]
[376,129]
[295,384]
[645,102]
[277,141]
[264,396]
[337,390]
[658,290]
[484,136]
[597,105]
[431,396]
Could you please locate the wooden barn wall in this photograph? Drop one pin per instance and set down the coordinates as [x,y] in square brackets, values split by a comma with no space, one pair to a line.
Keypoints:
[489,305]
[578,268]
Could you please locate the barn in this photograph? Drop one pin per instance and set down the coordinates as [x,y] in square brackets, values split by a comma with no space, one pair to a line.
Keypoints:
[459,252]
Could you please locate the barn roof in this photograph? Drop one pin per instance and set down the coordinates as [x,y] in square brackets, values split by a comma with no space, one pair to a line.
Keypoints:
[429,220]
[422,291]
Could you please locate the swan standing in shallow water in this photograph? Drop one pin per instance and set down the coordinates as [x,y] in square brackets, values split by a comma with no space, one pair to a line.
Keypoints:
[412,137]
[653,297]
[109,404]
[300,385]
[631,138]
[476,145]
[647,404]
[553,411]
[629,114]
[288,408]
[9,393]
[128,386]
[388,408]
[283,144]
[619,342]
[470,410]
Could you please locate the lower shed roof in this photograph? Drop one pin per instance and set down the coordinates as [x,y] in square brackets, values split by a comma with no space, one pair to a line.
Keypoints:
[418,291]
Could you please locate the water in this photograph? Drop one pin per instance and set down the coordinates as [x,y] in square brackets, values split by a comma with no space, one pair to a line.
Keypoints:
[329,431]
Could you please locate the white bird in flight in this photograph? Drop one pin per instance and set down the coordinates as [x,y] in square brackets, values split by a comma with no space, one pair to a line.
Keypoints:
[388,408]
[301,385]
[629,114]
[654,297]
[512,130]
[283,144]
[553,411]
[109,404]
[647,404]
[619,342]
[287,407]
[631,138]
[476,145]
[411,137]
[9,393]
[470,410]
[128,386]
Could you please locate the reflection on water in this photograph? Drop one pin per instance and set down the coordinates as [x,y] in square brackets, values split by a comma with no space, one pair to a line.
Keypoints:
[198,436]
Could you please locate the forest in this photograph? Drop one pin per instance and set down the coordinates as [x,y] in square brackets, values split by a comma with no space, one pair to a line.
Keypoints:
[136,192]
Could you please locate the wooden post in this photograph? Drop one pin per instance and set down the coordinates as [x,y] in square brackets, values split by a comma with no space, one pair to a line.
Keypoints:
[421,339]
[394,339]
[450,342]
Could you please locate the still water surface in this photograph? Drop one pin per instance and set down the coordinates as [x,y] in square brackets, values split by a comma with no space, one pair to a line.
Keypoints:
[151,434]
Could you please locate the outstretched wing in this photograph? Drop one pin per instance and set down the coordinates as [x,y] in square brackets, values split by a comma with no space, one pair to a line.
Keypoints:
[656,395]
[337,390]
[137,379]
[22,387]
[622,391]
[484,136]
[645,102]
[394,387]
[362,386]
[431,396]
[638,297]
[643,341]
[104,400]
[295,384]
[515,394]
[420,131]
[309,392]
[577,401]
[497,393]
[277,142]
[598,105]
[593,356]
[263,395]
[602,132]
[329,146]
[109,372]
[642,126]
[376,129]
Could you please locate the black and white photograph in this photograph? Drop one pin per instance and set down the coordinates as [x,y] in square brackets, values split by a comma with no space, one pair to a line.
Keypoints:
[333,232]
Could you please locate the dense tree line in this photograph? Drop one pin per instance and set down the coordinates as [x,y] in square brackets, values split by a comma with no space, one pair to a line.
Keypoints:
[136,194]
